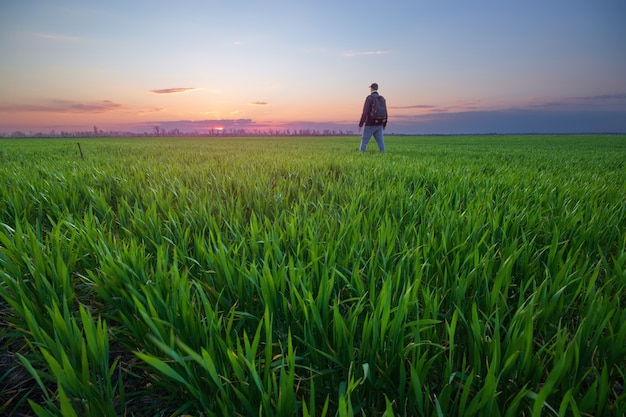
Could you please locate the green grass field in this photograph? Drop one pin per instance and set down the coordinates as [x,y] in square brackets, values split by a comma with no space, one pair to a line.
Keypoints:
[451,276]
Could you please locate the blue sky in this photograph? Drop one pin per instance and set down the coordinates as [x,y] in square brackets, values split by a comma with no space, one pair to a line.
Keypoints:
[454,66]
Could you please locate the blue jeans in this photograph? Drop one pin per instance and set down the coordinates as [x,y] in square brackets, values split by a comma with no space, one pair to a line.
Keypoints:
[377,132]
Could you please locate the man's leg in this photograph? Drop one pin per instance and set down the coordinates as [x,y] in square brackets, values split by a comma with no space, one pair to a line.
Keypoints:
[380,139]
[365,138]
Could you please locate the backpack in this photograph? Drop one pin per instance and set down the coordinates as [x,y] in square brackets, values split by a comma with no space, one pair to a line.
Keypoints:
[379,108]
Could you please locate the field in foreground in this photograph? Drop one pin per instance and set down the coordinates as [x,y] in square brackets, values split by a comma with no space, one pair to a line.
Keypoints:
[294,276]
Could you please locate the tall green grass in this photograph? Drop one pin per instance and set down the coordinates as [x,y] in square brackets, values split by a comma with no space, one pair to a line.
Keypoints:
[292,276]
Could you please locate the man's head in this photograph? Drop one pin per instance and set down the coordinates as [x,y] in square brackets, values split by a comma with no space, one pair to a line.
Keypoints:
[374,87]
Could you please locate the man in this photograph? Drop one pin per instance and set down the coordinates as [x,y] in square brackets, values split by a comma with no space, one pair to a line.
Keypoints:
[374,124]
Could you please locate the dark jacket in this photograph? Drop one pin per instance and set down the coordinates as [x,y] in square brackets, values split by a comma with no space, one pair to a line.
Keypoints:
[365,116]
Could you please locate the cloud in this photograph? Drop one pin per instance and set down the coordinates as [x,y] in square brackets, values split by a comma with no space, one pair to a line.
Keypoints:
[258,103]
[151,110]
[176,90]
[361,53]
[65,106]
[581,102]
[602,97]
[429,108]
[414,106]
[57,37]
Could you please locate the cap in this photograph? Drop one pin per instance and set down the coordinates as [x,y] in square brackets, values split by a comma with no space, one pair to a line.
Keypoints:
[374,86]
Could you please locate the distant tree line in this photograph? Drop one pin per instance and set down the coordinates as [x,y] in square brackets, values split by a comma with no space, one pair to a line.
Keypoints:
[159,132]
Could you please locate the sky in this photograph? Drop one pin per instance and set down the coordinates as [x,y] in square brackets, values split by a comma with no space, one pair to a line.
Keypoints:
[445,67]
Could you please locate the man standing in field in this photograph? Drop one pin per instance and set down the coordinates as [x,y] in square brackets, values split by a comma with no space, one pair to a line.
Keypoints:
[374,117]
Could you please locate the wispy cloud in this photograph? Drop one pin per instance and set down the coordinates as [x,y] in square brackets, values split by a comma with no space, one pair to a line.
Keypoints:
[617,100]
[466,106]
[602,97]
[258,103]
[433,109]
[361,53]
[56,37]
[150,110]
[414,106]
[176,90]
[64,106]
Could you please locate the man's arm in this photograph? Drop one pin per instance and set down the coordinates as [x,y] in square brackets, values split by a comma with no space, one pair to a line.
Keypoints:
[366,111]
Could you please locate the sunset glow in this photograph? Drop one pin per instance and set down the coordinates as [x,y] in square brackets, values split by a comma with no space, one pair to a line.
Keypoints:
[454,68]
